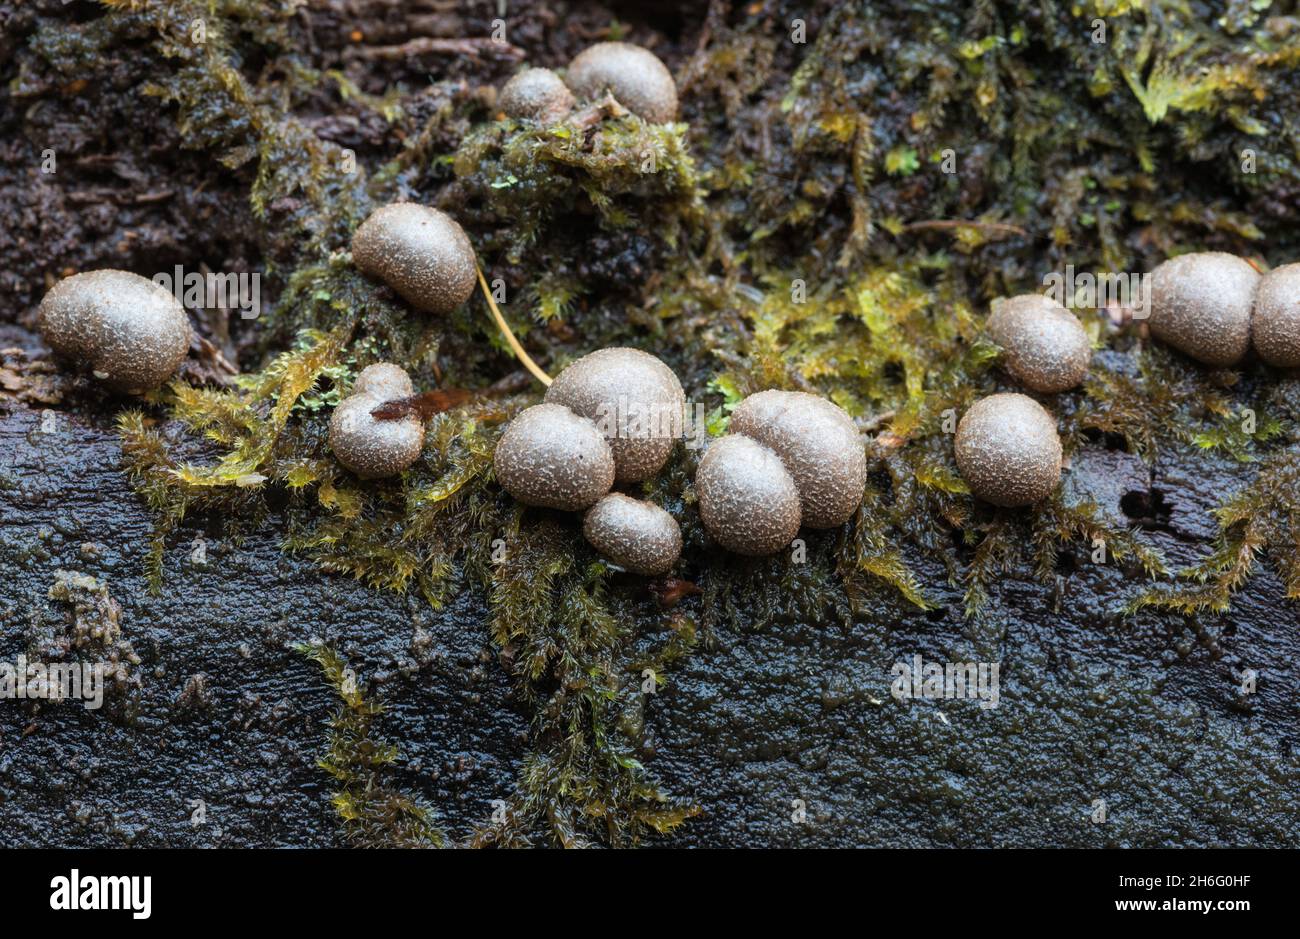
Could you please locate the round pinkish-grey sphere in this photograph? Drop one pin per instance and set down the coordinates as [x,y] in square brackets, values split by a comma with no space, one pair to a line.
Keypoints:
[635,76]
[748,502]
[1200,304]
[634,399]
[637,536]
[1275,324]
[536,94]
[1045,347]
[420,252]
[129,332]
[553,458]
[370,447]
[819,445]
[1008,450]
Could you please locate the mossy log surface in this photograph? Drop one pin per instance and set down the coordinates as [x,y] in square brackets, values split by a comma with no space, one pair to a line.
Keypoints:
[304,658]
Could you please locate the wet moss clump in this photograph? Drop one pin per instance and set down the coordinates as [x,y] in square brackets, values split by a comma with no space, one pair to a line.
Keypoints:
[1258,520]
[831,215]
[544,196]
[587,678]
[374,814]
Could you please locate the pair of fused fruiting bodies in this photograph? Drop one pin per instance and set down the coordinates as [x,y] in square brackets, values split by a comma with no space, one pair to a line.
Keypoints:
[1214,306]
[632,74]
[789,459]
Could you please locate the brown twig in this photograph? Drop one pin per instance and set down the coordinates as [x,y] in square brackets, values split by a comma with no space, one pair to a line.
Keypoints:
[871,423]
[472,46]
[946,223]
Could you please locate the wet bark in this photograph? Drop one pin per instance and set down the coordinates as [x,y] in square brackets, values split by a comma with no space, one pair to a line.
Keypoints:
[1144,713]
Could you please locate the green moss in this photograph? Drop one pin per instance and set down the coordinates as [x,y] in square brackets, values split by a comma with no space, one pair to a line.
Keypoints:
[580,671]
[1258,520]
[93,632]
[1171,399]
[620,170]
[251,428]
[374,814]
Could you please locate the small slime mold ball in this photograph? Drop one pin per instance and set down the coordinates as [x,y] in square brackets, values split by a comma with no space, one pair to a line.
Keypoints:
[1046,348]
[635,400]
[748,502]
[635,535]
[553,458]
[1201,303]
[819,445]
[1008,450]
[536,94]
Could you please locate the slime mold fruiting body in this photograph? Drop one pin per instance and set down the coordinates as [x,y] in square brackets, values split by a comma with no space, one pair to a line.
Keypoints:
[420,252]
[1045,346]
[1008,450]
[369,447]
[637,78]
[536,94]
[635,535]
[128,331]
[1201,304]
[1275,322]
[748,501]
[819,446]
[634,398]
[552,458]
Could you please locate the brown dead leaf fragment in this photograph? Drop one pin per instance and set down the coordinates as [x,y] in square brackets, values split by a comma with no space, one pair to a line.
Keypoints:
[670,591]
[424,405]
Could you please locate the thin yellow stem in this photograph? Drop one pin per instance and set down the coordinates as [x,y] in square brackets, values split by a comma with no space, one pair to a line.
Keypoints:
[519,352]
